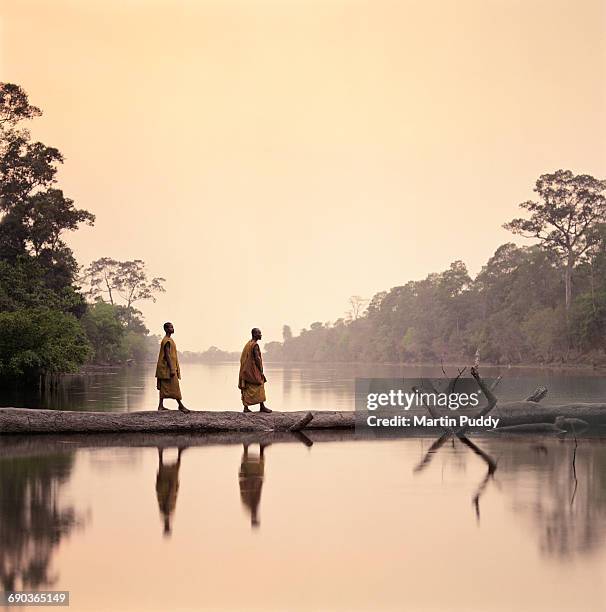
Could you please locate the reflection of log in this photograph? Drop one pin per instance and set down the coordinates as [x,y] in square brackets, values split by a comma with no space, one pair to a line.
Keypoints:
[21,420]
[26,445]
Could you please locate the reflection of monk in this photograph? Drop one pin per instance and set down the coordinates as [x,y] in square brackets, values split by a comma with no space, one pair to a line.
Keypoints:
[251,380]
[251,481]
[167,487]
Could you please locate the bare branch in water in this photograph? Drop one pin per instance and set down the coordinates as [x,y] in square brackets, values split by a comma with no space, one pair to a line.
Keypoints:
[537,395]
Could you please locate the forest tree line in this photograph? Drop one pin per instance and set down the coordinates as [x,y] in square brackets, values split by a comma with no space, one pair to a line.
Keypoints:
[542,304]
[54,316]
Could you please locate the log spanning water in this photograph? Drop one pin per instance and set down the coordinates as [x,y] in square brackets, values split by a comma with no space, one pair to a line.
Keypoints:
[26,421]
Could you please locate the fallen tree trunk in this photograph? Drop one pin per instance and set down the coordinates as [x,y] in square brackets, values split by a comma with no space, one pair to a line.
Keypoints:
[520,413]
[23,420]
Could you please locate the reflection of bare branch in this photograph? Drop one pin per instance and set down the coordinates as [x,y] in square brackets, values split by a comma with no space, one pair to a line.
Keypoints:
[490,462]
[574,465]
[431,451]
[492,468]
[450,434]
[475,500]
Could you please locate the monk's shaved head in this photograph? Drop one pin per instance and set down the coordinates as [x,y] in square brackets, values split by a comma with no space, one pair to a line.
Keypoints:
[255,332]
[168,327]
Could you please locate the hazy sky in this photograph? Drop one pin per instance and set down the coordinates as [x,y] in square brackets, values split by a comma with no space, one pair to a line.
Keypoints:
[272,158]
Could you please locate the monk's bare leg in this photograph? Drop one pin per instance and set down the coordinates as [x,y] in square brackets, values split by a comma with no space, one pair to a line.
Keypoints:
[264,408]
[182,408]
[161,401]
[246,409]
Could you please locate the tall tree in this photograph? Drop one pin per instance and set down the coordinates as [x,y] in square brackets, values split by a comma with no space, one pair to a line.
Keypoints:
[121,279]
[135,285]
[568,208]
[33,214]
[102,277]
[25,166]
[286,333]
[357,303]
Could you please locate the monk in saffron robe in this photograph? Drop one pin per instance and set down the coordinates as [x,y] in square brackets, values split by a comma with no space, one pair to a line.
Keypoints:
[168,372]
[251,380]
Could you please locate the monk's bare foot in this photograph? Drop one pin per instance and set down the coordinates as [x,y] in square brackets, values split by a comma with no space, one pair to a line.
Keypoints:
[246,409]
[264,409]
[182,408]
[162,408]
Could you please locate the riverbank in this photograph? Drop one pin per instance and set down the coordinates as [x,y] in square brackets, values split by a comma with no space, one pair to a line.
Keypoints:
[600,368]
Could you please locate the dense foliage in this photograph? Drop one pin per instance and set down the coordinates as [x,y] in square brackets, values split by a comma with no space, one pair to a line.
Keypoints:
[46,325]
[513,311]
[40,340]
[542,303]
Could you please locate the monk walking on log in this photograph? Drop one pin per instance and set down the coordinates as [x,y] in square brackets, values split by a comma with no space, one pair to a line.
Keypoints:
[168,372]
[251,380]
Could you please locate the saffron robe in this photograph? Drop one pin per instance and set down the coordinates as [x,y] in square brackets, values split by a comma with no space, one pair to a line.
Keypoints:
[168,385]
[251,378]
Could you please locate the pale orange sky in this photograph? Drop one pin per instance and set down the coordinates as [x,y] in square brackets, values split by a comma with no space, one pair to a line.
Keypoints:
[272,158]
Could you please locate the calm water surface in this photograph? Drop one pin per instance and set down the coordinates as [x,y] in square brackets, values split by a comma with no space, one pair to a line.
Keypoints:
[318,387]
[341,524]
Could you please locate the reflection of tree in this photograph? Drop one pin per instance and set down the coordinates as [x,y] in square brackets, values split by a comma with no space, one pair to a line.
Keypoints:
[32,519]
[287,381]
[90,389]
[557,485]
[569,515]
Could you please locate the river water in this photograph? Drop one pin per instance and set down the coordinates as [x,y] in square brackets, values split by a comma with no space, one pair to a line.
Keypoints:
[326,523]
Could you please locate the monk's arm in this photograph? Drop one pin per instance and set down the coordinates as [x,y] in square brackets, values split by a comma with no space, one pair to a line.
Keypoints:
[168,361]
